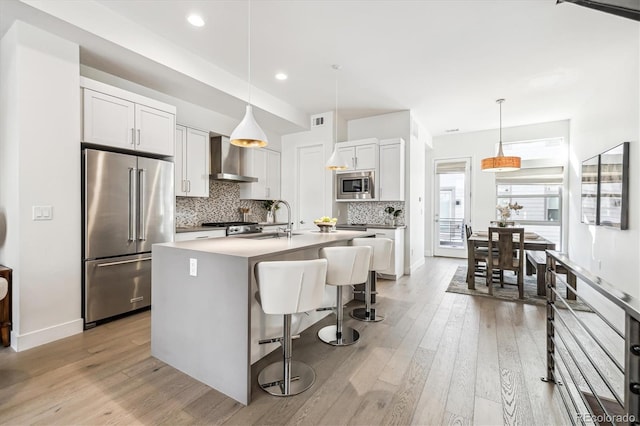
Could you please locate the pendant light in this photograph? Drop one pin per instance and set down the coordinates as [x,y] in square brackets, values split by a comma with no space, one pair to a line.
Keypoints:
[248,133]
[336,162]
[500,163]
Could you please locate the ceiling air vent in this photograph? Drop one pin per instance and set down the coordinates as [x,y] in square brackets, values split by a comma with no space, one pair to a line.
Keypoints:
[317,121]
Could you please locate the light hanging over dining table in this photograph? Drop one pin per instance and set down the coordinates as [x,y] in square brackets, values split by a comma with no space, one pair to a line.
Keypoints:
[248,134]
[500,163]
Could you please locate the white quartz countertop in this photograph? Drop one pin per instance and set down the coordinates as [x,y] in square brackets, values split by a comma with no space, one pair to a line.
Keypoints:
[255,248]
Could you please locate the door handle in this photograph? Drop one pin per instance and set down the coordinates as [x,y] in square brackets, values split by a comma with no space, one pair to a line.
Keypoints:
[132,189]
[302,222]
[141,213]
[122,262]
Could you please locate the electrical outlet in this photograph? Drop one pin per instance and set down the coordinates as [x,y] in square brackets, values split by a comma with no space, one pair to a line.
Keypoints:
[193,267]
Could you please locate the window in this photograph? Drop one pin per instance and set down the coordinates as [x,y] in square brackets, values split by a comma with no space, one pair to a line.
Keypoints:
[537,189]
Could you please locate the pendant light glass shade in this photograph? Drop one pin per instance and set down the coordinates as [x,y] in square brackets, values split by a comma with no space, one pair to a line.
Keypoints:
[500,163]
[248,134]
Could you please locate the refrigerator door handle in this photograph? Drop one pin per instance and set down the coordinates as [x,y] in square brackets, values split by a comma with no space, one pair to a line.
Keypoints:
[122,262]
[141,195]
[132,203]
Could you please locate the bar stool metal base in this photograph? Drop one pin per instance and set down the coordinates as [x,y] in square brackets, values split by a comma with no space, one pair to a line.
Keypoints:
[329,333]
[271,378]
[361,315]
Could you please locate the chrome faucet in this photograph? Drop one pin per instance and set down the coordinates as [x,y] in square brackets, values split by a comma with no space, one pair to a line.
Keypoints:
[273,212]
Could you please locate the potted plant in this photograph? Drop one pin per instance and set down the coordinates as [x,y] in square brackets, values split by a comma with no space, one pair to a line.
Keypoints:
[392,215]
[268,204]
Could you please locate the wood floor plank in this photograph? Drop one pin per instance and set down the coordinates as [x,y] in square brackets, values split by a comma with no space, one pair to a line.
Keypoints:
[515,398]
[431,406]
[487,368]
[437,358]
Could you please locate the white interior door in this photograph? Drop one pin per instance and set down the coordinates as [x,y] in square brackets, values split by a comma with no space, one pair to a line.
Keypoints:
[452,203]
[310,185]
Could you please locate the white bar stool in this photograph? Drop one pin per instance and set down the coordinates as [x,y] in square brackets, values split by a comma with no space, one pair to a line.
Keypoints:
[347,266]
[289,287]
[380,260]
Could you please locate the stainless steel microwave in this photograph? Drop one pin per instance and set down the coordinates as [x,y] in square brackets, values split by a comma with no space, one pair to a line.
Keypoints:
[355,186]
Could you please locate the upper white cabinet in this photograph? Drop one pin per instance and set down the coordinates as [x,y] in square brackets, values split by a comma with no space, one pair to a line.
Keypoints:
[359,155]
[120,119]
[192,162]
[391,176]
[263,164]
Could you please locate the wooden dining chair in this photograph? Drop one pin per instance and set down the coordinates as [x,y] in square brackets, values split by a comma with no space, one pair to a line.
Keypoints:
[480,257]
[505,256]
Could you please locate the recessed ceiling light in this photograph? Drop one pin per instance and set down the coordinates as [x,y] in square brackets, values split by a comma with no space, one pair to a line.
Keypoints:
[195,20]
[281,76]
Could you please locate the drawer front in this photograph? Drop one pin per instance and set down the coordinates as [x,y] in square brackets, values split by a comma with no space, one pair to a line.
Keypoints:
[383,233]
[197,235]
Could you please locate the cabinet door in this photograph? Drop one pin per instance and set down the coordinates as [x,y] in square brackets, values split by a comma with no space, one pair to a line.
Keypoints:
[254,163]
[391,176]
[108,120]
[197,163]
[180,158]
[273,175]
[348,154]
[366,156]
[155,130]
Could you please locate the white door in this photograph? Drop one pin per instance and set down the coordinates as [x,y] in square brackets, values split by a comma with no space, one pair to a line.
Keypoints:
[310,185]
[452,204]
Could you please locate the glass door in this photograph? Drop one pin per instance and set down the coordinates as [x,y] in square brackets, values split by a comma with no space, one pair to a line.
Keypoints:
[452,206]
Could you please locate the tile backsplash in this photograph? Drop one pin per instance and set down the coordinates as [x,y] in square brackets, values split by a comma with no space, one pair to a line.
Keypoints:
[373,211]
[222,205]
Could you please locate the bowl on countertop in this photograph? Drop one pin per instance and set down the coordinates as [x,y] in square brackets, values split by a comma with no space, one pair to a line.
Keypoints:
[326,226]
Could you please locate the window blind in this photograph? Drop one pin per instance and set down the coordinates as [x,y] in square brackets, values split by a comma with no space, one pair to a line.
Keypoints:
[451,167]
[532,175]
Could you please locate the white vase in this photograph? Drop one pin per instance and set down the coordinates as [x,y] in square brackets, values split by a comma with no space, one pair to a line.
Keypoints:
[269,217]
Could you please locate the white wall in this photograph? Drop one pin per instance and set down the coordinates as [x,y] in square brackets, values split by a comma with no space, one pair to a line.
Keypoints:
[479,145]
[393,125]
[609,117]
[40,166]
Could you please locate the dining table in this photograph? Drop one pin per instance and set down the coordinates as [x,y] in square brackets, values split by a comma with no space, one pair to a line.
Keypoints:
[532,241]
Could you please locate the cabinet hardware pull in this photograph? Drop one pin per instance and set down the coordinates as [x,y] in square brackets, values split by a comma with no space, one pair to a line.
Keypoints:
[138,136]
[203,237]
[133,136]
[137,299]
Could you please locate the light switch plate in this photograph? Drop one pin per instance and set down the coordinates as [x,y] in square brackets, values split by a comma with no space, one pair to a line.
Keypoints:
[193,267]
[42,212]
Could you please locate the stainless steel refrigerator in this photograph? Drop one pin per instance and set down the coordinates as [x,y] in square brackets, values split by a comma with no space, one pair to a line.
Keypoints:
[128,204]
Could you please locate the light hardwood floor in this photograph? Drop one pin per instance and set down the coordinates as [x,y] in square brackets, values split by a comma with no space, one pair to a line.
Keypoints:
[438,358]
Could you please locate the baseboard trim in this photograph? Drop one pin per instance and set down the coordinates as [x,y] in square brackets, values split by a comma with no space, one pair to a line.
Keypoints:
[30,340]
[418,263]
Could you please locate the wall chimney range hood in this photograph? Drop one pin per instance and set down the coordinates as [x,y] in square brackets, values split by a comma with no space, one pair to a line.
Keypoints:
[225,161]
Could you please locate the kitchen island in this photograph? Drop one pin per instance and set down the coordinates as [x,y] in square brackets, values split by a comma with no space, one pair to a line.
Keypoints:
[206,320]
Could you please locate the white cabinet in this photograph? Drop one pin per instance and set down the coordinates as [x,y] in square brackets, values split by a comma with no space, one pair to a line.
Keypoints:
[120,119]
[192,162]
[396,267]
[263,164]
[360,155]
[200,235]
[390,184]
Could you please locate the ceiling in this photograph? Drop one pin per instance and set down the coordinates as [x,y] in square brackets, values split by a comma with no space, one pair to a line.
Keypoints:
[447,61]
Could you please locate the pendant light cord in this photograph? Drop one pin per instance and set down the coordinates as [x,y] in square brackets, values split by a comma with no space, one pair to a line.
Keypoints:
[249,53]
[336,118]
[500,152]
